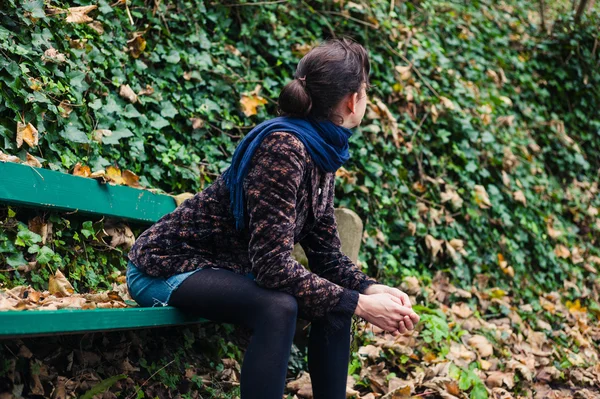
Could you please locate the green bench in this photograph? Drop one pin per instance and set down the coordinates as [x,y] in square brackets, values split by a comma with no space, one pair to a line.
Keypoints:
[22,185]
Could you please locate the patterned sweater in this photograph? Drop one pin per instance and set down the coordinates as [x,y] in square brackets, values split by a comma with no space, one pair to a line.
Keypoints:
[288,200]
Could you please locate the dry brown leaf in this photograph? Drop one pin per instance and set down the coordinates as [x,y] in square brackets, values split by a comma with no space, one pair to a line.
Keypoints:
[148,91]
[481,197]
[499,378]
[59,285]
[97,27]
[520,197]
[82,170]
[40,227]
[435,246]
[78,15]
[65,108]
[552,232]
[28,134]
[462,310]
[32,161]
[404,71]
[370,351]
[482,345]
[197,123]
[121,235]
[450,195]
[128,94]
[447,103]
[130,179]
[53,55]
[100,175]
[562,252]
[98,134]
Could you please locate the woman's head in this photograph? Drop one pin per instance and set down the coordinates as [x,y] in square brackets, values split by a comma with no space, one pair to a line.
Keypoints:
[330,83]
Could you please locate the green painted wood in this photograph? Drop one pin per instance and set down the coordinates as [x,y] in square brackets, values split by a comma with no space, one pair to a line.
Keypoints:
[42,188]
[41,322]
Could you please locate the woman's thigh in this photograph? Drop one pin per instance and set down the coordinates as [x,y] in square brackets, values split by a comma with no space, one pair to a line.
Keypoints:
[222,295]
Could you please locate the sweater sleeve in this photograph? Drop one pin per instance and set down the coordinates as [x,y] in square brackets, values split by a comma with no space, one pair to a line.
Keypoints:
[322,246]
[271,186]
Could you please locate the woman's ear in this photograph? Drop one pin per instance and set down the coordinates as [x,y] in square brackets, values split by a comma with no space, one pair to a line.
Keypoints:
[351,103]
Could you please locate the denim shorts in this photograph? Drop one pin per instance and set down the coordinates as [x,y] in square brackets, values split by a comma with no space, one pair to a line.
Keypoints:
[149,291]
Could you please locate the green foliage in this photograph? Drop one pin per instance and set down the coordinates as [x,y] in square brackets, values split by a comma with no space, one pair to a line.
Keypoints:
[478,93]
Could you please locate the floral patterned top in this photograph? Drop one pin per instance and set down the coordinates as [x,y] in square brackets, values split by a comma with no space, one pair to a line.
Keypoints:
[288,200]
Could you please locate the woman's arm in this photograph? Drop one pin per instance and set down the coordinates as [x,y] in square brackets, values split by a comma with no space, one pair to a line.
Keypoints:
[323,249]
[271,186]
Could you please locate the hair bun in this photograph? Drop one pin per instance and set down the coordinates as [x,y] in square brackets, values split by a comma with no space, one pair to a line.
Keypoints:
[294,99]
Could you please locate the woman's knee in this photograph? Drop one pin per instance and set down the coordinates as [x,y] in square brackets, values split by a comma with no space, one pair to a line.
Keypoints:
[282,306]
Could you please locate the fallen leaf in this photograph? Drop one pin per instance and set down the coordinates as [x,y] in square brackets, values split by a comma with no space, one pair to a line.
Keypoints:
[78,15]
[435,246]
[520,197]
[180,198]
[447,103]
[127,93]
[148,91]
[450,195]
[120,235]
[40,227]
[113,174]
[136,46]
[130,179]
[462,310]
[561,251]
[59,285]
[82,170]
[32,161]
[28,134]
[53,55]
[65,108]
[482,345]
[481,197]
[197,123]
[97,27]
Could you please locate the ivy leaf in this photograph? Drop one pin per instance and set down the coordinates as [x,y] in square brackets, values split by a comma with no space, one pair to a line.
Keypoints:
[16,260]
[87,229]
[35,7]
[74,135]
[44,255]
[26,238]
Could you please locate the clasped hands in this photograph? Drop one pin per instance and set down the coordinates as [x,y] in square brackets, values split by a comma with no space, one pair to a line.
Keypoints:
[388,308]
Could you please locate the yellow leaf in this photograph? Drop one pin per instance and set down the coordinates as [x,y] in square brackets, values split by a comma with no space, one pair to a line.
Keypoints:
[575,307]
[113,174]
[250,103]
[78,15]
[59,285]
[136,46]
[28,134]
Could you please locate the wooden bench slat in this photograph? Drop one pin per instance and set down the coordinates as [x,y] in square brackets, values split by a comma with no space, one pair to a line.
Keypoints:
[50,322]
[24,185]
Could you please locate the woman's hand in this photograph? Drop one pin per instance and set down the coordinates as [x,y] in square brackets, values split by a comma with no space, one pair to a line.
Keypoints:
[384,289]
[387,312]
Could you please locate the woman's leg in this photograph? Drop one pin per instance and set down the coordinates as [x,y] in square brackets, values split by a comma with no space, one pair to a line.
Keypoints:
[224,296]
[328,358]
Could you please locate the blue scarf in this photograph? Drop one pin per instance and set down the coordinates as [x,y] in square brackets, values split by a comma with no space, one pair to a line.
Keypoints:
[326,142]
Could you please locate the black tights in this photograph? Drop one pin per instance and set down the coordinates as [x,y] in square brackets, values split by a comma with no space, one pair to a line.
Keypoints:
[224,296]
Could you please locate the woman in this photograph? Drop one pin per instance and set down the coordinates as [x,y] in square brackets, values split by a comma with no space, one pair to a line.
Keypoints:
[225,254]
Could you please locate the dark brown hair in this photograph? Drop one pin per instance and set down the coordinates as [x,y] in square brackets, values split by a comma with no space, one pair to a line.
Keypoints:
[324,76]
